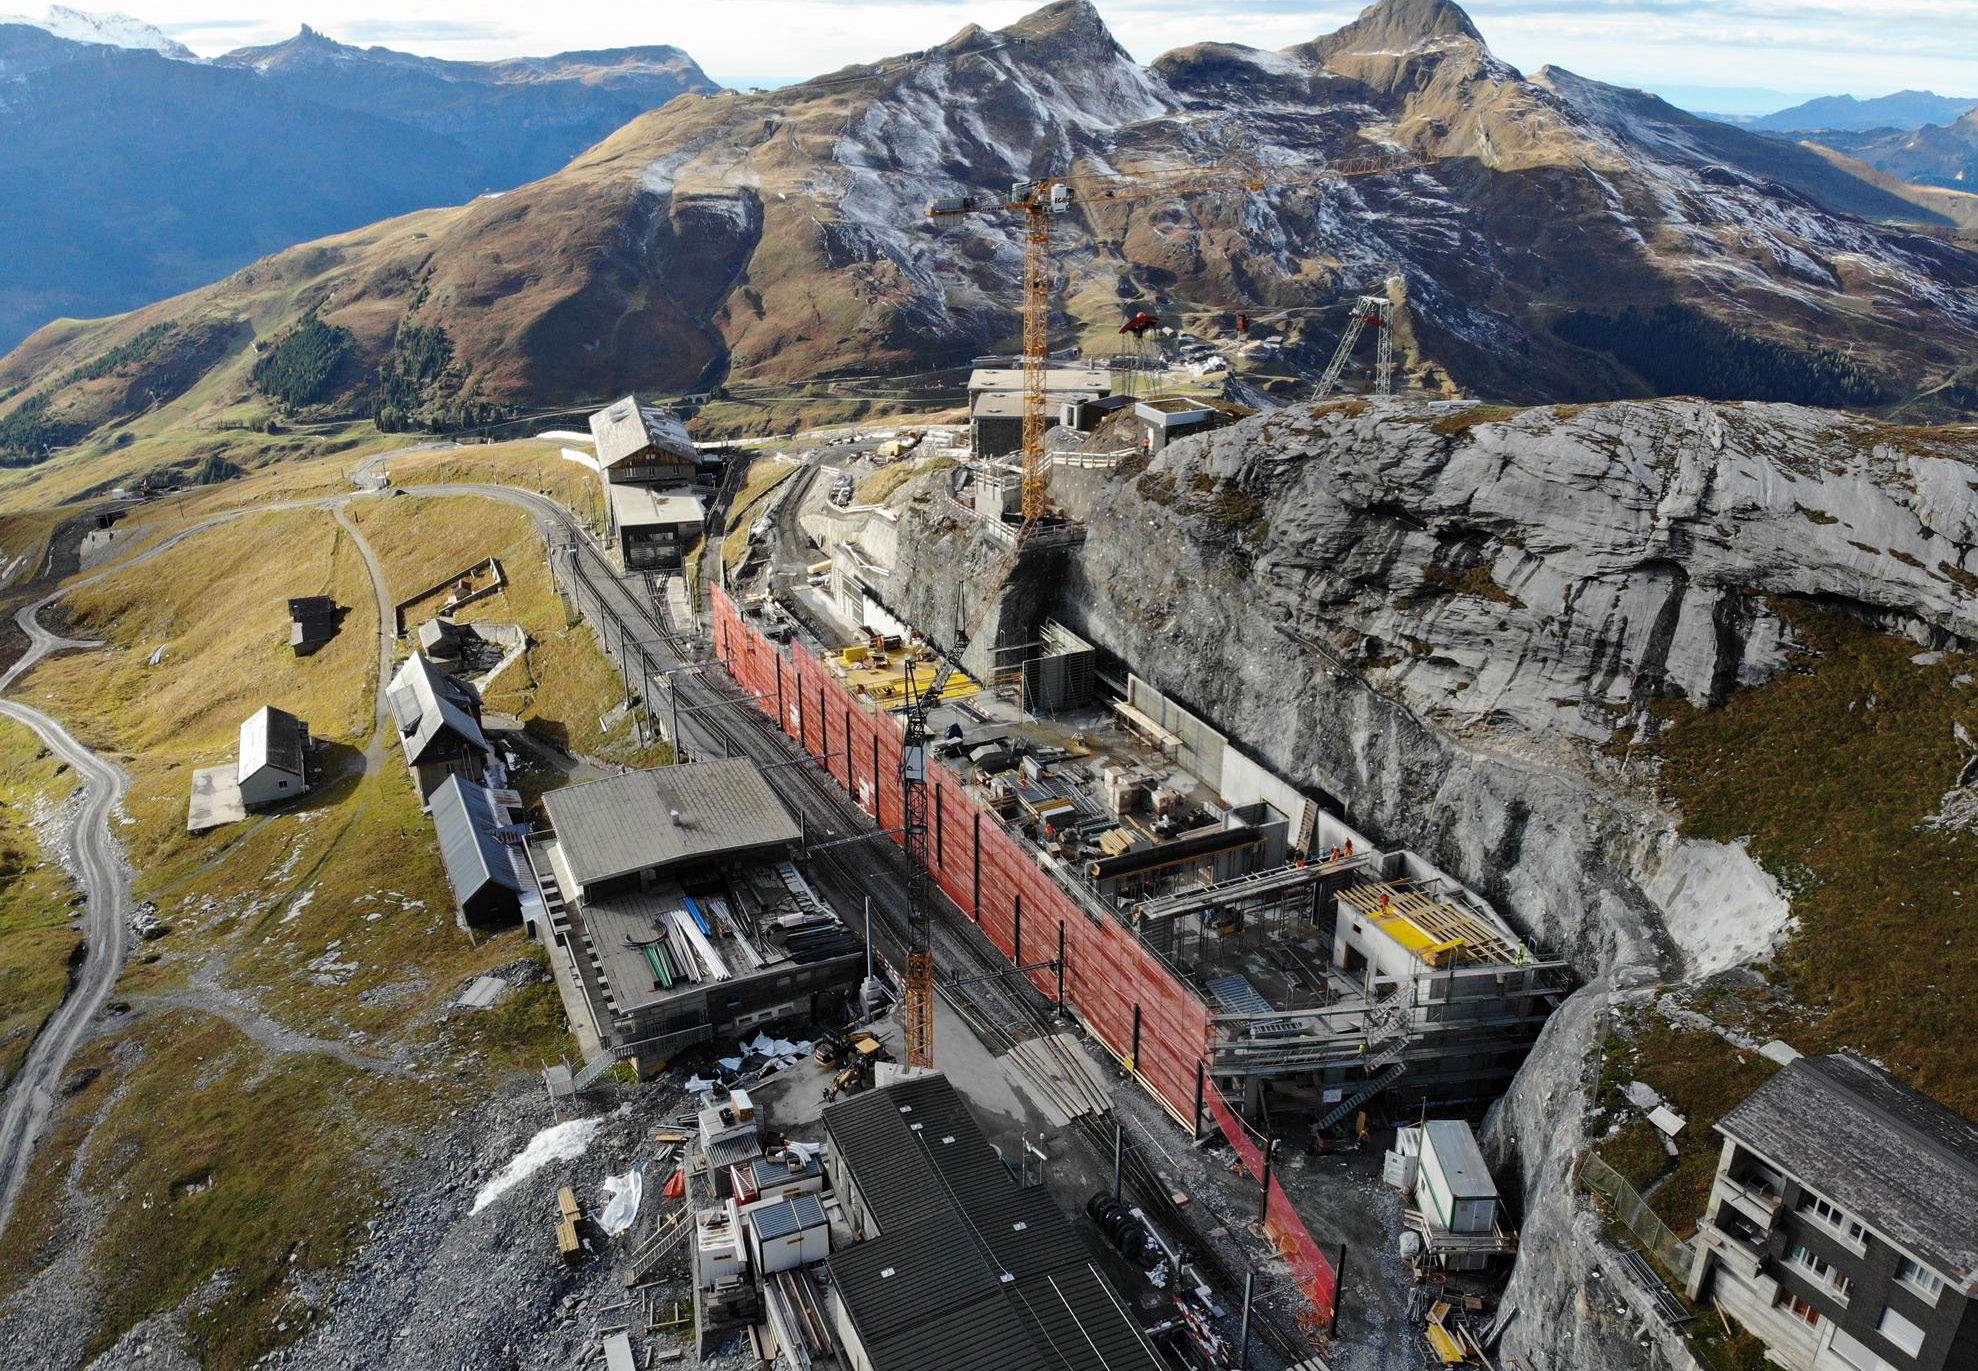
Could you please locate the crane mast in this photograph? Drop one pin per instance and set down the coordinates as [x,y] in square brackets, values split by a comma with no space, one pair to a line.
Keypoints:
[913,819]
[1038,201]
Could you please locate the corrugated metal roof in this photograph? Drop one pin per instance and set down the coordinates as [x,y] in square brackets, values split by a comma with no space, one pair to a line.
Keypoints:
[628,428]
[990,1333]
[789,1216]
[1882,1150]
[623,823]
[1084,1322]
[913,1275]
[272,738]
[465,819]
[970,1271]
[895,1179]
[427,704]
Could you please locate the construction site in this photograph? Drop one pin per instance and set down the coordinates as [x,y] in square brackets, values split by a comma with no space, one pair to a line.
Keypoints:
[1072,857]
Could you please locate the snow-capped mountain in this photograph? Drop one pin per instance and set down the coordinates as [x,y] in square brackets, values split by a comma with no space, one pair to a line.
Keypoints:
[112,30]
[782,236]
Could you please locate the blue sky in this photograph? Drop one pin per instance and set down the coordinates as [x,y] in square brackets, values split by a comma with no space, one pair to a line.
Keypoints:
[1794,47]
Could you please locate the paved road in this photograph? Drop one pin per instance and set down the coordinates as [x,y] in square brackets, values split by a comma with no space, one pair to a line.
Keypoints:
[381,731]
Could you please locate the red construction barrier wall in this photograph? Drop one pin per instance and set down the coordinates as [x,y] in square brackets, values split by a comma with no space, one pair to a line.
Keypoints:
[1122,992]
[1315,1271]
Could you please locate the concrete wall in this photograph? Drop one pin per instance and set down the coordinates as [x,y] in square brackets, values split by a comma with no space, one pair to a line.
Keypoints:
[269,785]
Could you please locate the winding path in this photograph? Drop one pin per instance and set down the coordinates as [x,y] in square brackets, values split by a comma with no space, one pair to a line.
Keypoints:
[100,865]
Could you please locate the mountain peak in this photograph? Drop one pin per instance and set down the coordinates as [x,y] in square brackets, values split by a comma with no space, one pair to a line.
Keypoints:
[1401,26]
[1061,21]
[113,30]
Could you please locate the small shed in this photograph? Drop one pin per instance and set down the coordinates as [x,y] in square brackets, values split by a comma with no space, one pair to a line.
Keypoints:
[487,887]
[785,1234]
[273,763]
[1452,1184]
[312,621]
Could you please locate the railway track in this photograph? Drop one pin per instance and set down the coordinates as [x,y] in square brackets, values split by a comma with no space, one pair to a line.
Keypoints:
[1003,1009]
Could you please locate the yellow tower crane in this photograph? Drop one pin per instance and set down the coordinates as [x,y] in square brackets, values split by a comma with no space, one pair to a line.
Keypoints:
[1038,201]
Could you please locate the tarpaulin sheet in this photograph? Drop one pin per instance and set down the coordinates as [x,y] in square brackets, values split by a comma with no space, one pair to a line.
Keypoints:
[1315,1271]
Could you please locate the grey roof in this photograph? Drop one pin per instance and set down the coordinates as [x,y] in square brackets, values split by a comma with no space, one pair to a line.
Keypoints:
[643,506]
[1459,1159]
[785,1217]
[970,1271]
[871,1138]
[630,429]
[1084,1319]
[1060,381]
[427,704]
[1902,1163]
[272,738]
[621,824]
[464,817]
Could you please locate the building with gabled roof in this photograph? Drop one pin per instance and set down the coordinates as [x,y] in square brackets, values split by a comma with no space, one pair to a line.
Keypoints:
[639,442]
[961,1268]
[273,763]
[674,909]
[439,724]
[651,821]
[1842,1227]
[481,852]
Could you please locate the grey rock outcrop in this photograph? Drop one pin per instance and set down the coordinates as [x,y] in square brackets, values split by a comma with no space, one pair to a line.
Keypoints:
[1444,618]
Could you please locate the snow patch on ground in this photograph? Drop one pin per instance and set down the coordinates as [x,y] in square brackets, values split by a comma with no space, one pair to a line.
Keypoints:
[561,1142]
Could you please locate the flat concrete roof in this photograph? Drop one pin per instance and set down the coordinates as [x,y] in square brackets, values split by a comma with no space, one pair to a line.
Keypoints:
[1058,380]
[640,506]
[215,799]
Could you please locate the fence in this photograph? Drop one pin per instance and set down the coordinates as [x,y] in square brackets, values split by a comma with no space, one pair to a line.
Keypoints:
[1316,1274]
[1156,1026]
[1633,1211]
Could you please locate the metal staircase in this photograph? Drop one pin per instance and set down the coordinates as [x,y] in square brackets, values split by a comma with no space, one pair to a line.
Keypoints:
[1388,1040]
[596,1066]
[1368,1089]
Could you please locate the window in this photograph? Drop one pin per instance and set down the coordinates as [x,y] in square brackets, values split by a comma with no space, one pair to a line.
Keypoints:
[1901,1332]
[1854,1353]
[1797,1307]
[1921,1279]
[1831,1215]
[1818,1267]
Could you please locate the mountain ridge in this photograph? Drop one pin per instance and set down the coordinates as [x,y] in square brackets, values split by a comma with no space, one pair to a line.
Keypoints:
[1906,109]
[779,237]
[210,165]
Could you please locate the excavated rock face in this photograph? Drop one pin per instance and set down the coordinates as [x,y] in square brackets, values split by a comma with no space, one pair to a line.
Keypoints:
[1443,617]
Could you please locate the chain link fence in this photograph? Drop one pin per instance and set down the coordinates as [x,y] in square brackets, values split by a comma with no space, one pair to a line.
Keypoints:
[1633,1211]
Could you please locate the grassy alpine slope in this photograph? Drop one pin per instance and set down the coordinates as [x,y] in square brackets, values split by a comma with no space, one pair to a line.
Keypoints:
[225,1134]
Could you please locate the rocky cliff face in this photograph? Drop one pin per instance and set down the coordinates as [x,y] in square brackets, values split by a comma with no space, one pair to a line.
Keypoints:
[1453,622]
